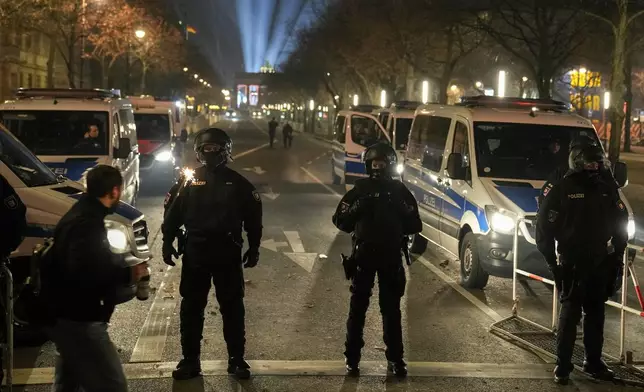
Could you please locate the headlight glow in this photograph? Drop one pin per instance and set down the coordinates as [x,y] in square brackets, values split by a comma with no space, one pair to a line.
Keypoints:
[400,168]
[163,156]
[630,228]
[117,236]
[234,114]
[499,220]
[227,114]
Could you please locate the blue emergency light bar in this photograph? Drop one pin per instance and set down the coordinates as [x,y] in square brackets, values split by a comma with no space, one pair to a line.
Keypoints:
[66,93]
[411,105]
[485,101]
[365,108]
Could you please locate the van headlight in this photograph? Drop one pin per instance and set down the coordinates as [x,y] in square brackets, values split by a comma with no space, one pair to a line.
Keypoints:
[630,228]
[117,236]
[500,220]
[163,156]
[400,168]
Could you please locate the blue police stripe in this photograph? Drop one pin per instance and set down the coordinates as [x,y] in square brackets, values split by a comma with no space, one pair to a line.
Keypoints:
[72,168]
[123,209]
[355,167]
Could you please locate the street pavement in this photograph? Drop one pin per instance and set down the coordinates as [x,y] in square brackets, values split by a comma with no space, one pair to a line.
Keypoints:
[297,302]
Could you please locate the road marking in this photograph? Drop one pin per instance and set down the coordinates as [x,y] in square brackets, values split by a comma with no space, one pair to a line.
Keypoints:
[304,260]
[160,370]
[152,339]
[293,238]
[252,150]
[309,162]
[256,170]
[328,188]
[453,284]
[270,194]
[271,244]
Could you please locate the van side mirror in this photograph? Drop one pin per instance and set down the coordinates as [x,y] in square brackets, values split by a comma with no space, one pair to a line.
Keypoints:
[455,169]
[620,172]
[184,136]
[124,150]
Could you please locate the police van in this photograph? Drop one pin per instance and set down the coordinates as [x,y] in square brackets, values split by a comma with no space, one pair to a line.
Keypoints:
[474,168]
[397,120]
[160,134]
[354,130]
[47,198]
[73,130]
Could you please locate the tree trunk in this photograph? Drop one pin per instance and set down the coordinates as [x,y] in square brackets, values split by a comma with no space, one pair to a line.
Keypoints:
[543,84]
[628,96]
[51,63]
[105,73]
[71,65]
[617,82]
[144,71]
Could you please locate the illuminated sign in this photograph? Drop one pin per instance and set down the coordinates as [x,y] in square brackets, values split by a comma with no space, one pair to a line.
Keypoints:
[253,98]
[242,94]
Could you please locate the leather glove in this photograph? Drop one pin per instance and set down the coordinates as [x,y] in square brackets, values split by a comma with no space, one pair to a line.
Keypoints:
[169,251]
[251,257]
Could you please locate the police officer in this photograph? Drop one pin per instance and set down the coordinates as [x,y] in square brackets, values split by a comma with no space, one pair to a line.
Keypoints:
[561,171]
[583,212]
[13,217]
[381,213]
[213,207]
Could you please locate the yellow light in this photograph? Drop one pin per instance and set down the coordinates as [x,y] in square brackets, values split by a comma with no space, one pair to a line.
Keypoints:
[185,69]
[425,92]
[188,173]
[139,34]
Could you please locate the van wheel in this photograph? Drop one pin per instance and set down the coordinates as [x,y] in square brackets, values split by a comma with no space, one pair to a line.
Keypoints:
[418,244]
[472,274]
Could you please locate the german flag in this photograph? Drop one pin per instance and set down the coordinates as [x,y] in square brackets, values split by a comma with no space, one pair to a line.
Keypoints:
[190,29]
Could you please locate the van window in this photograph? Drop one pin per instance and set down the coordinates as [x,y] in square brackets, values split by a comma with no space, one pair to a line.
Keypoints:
[460,144]
[427,143]
[153,126]
[117,130]
[340,132]
[382,118]
[403,126]
[128,125]
[365,131]
[60,132]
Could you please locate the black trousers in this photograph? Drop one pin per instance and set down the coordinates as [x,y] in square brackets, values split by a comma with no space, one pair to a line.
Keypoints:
[586,292]
[288,141]
[271,136]
[391,284]
[226,274]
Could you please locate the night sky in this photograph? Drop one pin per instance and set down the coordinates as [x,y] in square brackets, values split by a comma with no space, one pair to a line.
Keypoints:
[240,35]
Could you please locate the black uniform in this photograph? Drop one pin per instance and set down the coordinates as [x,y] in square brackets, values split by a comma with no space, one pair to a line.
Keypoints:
[287,135]
[13,218]
[272,129]
[380,212]
[214,207]
[583,212]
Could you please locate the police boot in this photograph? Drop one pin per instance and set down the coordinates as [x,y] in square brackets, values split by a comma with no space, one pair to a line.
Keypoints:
[187,368]
[598,370]
[562,375]
[398,368]
[353,367]
[238,367]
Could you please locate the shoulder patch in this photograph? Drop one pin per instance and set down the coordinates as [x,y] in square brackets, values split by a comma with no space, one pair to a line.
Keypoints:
[11,202]
[198,183]
[256,196]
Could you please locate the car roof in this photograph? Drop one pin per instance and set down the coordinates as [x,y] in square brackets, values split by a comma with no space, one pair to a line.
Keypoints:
[65,104]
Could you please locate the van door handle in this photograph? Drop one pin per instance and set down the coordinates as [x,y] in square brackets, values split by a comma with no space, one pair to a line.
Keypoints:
[439,180]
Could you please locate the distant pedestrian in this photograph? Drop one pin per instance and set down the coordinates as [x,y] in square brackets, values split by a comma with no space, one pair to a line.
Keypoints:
[287,134]
[272,129]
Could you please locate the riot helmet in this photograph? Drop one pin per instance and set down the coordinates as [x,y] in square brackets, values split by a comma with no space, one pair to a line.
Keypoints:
[586,157]
[380,160]
[582,140]
[213,147]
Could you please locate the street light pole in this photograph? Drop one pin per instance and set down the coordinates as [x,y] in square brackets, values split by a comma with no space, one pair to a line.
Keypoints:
[127,65]
[82,43]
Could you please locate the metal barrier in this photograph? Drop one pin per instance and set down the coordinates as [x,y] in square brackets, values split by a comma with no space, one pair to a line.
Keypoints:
[542,338]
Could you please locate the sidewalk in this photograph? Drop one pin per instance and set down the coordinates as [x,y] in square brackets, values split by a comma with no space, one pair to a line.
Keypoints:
[637,154]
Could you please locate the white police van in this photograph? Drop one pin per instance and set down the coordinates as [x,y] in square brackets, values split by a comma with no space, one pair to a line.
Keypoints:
[73,130]
[354,131]
[475,167]
[397,120]
[47,198]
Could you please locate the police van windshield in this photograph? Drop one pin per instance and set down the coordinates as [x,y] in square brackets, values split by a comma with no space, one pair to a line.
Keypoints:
[59,132]
[523,151]
[23,163]
[150,126]
[403,126]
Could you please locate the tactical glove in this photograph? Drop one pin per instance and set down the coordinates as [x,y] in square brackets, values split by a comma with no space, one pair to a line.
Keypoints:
[251,257]
[169,251]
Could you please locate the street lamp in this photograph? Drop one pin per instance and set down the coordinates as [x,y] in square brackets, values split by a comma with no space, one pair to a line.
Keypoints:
[582,70]
[454,88]
[383,98]
[607,100]
[196,76]
[185,69]
[200,80]
[501,92]
[139,34]
[425,92]
[312,104]
[479,85]
[355,100]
